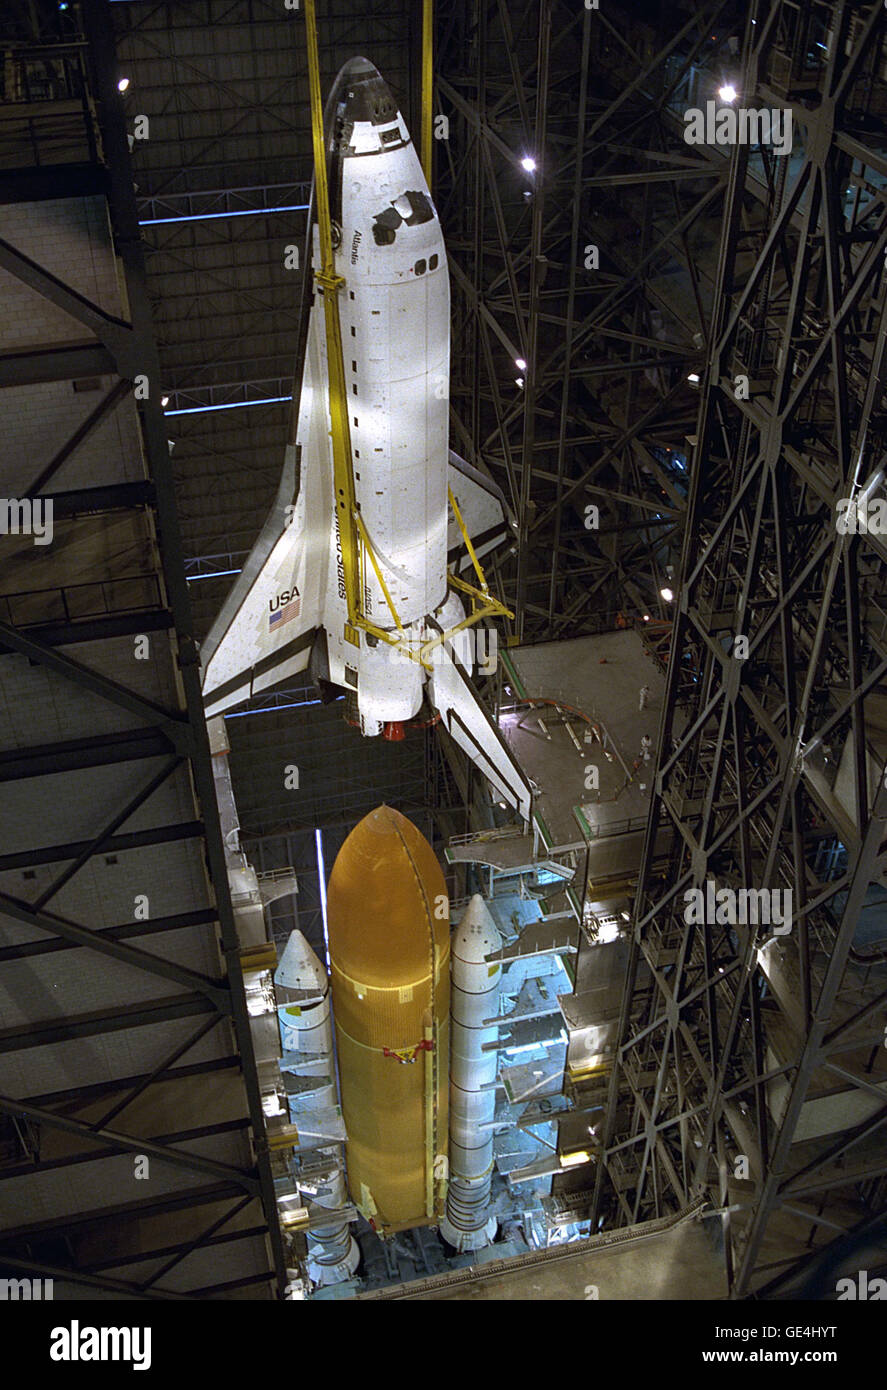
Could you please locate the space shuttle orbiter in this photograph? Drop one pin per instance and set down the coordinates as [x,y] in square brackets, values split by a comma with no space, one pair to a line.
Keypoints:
[289,609]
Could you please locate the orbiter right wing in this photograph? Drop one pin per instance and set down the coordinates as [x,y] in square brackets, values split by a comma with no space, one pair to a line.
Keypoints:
[454,697]
[484,511]
[267,626]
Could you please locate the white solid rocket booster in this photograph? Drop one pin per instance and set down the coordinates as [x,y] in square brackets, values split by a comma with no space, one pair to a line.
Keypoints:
[475,997]
[306,1035]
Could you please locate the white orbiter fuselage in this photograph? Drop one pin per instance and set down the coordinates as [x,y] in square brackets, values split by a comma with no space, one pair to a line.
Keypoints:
[288,611]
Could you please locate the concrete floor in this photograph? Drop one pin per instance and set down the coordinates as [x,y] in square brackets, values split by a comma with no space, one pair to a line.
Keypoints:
[680,1264]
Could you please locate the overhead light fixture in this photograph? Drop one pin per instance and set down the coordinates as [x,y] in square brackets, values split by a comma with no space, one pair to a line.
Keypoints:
[123,84]
[693,377]
[727,92]
[529,164]
[667,594]
[519,381]
[520,364]
[646,617]
[164,400]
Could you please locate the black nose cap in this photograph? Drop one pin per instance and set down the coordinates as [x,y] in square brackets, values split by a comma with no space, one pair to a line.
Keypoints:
[358,67]
[364,93]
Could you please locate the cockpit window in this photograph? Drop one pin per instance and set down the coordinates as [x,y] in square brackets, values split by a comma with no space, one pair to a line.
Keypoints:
[411,208]
[385,226]
[420,209]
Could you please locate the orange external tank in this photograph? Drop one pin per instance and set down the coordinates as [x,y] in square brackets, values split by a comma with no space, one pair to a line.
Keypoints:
[389,941]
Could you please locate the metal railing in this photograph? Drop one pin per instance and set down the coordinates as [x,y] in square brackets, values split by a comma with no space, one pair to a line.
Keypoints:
[76,602]
[479,837]
[46,112]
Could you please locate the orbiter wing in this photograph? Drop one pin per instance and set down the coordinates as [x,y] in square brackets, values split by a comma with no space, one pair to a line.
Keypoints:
[483,508]
[454,697]
[266,628]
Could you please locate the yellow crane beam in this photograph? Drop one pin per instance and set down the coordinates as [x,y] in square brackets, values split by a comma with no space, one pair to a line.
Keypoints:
[427,64]
[331,283]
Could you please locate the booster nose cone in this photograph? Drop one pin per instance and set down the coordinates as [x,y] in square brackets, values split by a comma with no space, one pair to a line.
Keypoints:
[476,935]
[299,967]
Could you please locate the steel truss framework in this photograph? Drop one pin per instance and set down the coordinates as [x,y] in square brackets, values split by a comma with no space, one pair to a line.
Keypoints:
[735,1043]
[591,271]
[176,739]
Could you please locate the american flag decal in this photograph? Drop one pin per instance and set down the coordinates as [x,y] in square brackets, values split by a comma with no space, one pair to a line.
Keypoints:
[285,614]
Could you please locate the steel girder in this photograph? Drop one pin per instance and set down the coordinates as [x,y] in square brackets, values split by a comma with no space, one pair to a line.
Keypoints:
[164,745]
[736,1044]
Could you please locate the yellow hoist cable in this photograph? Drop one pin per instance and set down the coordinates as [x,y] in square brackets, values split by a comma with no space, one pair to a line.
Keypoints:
[427,78]
[331,283]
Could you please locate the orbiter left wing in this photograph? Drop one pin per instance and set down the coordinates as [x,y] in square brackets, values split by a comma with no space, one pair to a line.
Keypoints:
[453,695]
[267,626]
